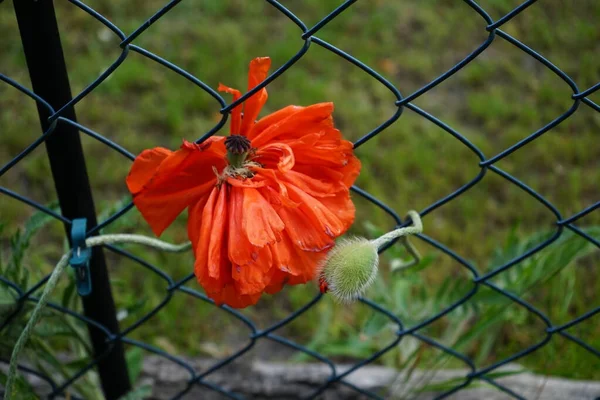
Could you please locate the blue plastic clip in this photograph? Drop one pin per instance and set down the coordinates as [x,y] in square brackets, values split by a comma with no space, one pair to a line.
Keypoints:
[80,257]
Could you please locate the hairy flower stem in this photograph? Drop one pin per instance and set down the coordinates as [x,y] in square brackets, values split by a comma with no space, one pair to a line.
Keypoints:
[416,228]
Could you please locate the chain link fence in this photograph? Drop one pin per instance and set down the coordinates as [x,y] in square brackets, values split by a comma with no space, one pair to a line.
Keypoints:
[61,135]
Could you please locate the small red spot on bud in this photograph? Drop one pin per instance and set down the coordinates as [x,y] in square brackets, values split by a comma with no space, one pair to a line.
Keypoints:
[323,287]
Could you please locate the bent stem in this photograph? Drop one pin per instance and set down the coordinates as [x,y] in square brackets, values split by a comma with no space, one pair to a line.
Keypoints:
[412,250]
[415,228]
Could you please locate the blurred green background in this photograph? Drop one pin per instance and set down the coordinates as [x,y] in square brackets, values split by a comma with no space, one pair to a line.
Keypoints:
[496,100]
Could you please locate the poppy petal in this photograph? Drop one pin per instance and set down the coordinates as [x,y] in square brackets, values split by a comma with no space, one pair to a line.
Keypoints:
[309,119]
[236,114]
[305,263]
[240,250]
[276,156]
[303,231]
[230,296]
[260,222]
[195,220]
[245,183]
[314,187]
[282,254]
[271,178]
[271,119]
[277,198]
[351,170]
[312,226]
[216,144]
[254,277]
[276,282]
[217,261]
[322,156]
[342,207]
[203,238]
[316,148]
[259,70]
[181,179]
[297,265]
[144,168]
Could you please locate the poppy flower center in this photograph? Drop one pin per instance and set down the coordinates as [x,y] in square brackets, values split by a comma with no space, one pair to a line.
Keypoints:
[238,147]
[239,153]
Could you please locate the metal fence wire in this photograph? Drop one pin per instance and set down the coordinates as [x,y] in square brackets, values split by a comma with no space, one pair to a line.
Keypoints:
[38,28]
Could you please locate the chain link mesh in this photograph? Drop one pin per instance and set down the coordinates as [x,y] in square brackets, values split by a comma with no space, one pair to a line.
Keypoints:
[487,165]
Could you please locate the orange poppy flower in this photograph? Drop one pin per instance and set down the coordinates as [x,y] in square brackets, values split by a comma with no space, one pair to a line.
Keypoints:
[264,204]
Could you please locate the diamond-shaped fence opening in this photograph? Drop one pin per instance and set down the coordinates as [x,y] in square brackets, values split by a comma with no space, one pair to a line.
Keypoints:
[62,135]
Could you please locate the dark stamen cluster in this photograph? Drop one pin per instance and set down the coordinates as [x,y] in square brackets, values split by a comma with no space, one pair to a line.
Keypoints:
[237,144]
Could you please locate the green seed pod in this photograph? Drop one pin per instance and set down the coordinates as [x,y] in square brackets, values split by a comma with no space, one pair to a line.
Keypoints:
[349,268]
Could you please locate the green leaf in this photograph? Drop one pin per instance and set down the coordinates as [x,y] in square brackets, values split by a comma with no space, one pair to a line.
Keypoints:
[77,364]
[135,361]
[21,390]
[451,383]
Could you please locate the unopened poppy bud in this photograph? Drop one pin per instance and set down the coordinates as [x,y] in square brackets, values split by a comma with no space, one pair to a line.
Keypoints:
[351,265]
[349,269]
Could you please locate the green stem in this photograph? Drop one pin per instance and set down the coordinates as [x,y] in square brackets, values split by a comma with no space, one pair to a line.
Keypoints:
[417,227]
[236,160]
[35,316]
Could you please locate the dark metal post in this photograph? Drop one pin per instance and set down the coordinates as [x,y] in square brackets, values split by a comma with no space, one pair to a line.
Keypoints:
[49,78]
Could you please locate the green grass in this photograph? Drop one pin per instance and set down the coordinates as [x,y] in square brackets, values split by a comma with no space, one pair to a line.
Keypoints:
[497,100]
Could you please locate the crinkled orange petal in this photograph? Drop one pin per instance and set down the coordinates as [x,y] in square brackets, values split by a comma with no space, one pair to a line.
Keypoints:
[329,174]
[294,266]
[254,277]
[305,263]
[272,119]
[314,187]
[218,262]
[342,207]
[181,179]
[251,264]
[271,178]
[316,149]
[144,167]
[276,155]
[240,250]
[234,285]
[245,183]
[282,254]
[235,125]
[195,220]
[203,238]
[259,70]
[304,231]
[277,281]
[277,197]
[324,158]
[216,144]
[230,296]
[321,220]
[351,170]
[309,119]
[260,222]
